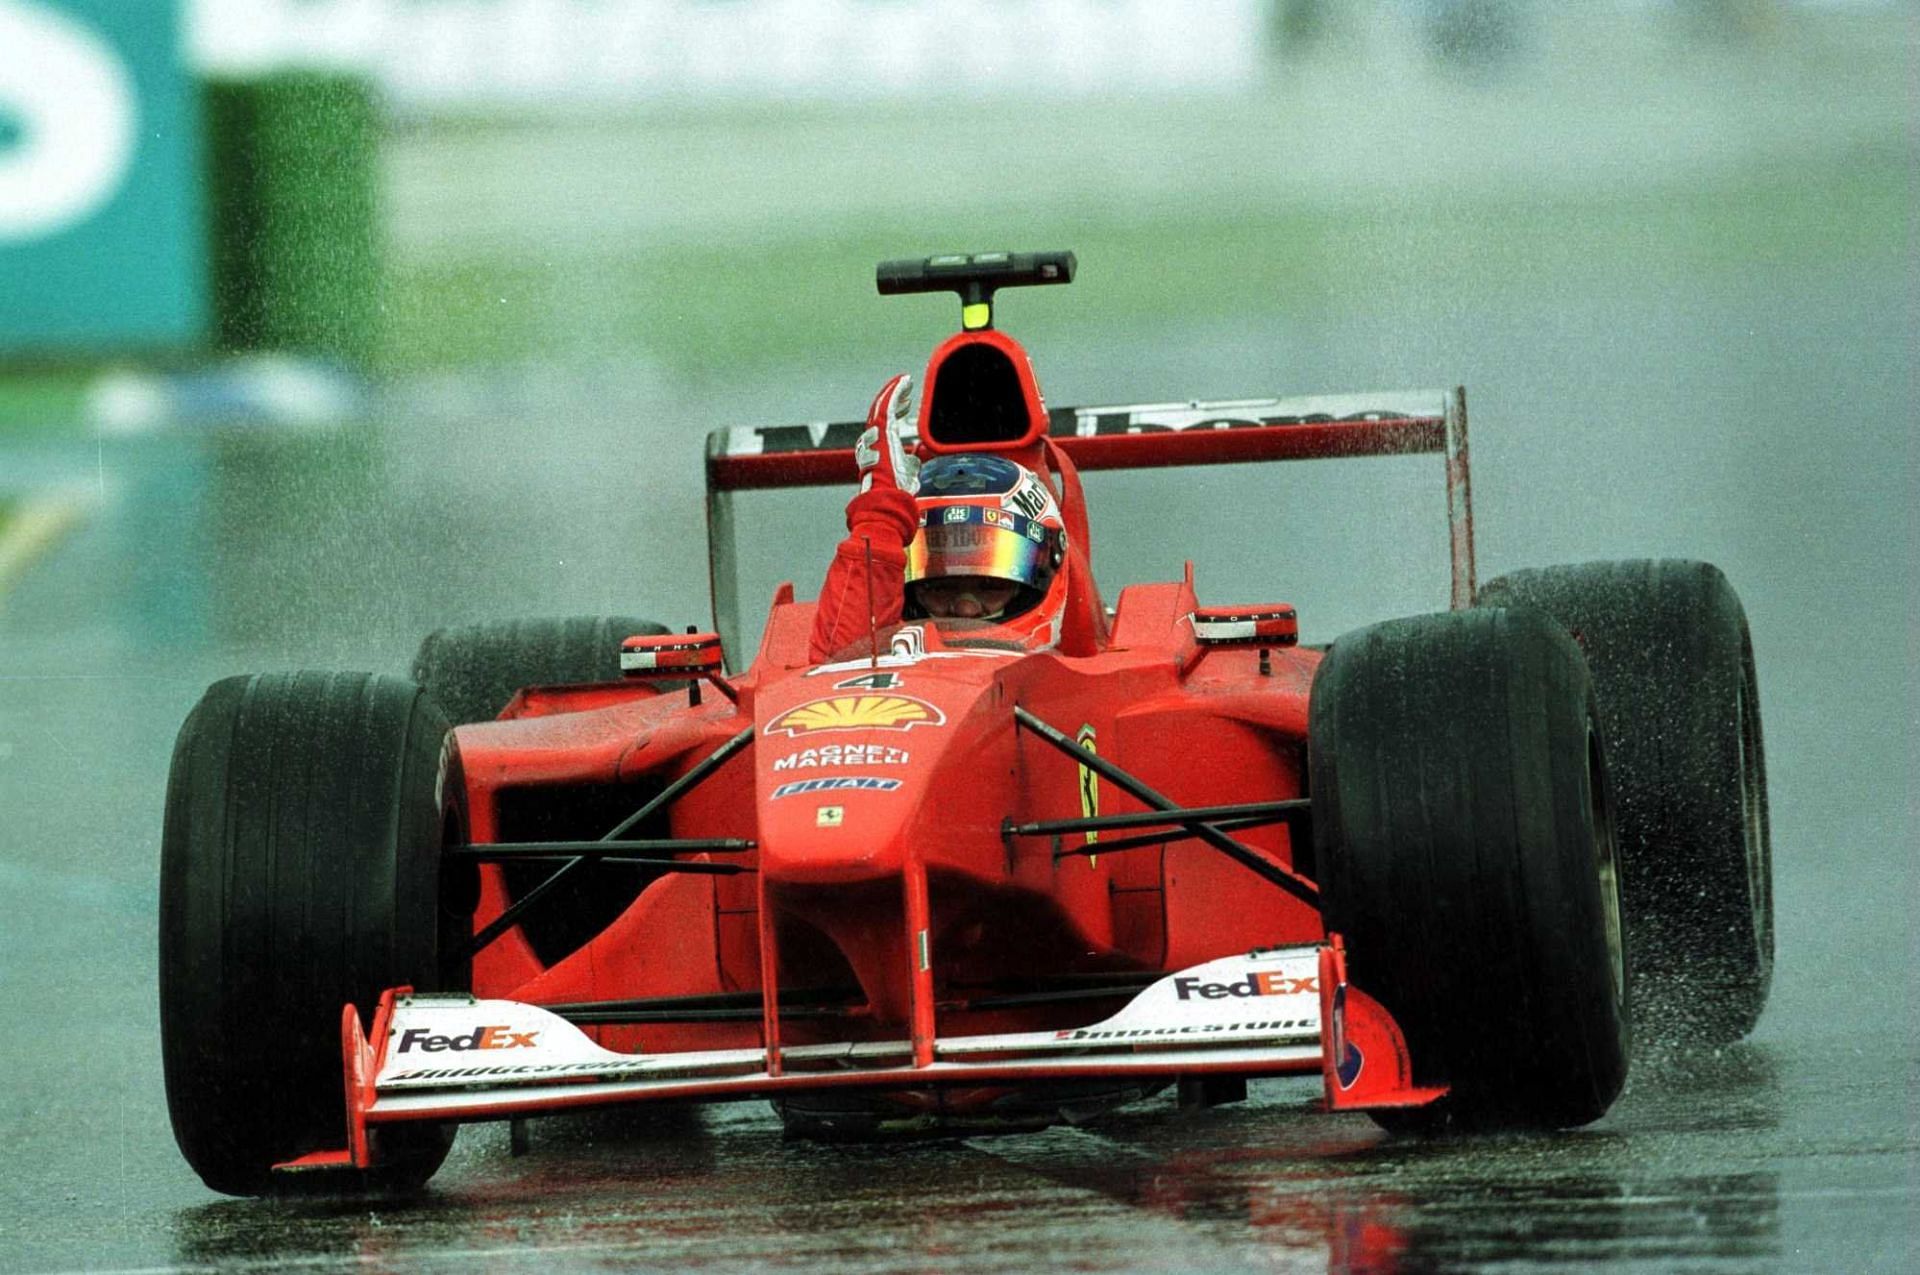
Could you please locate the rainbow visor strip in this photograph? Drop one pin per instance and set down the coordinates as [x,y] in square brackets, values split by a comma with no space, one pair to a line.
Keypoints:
[974,540]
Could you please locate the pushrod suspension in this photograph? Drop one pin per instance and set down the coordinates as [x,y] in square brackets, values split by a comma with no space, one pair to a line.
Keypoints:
[1164,837]
[1293,810]
[508,851]
[536,855]
[1266,869]
[661,800]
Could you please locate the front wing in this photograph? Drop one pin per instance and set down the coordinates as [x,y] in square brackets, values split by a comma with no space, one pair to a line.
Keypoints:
[1272,1012]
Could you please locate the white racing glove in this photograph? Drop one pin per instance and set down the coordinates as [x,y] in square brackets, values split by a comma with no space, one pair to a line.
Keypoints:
[881,452]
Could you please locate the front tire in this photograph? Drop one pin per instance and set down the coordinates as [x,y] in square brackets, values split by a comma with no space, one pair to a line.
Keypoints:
[300,871]
[1461,824]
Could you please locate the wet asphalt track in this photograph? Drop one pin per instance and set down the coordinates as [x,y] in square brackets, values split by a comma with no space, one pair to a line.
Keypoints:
[1799,1151]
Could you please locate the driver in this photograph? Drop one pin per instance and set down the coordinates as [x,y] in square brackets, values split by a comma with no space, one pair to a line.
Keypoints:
[980,549]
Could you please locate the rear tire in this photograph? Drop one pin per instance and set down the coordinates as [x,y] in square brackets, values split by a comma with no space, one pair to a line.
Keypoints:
[300,872]
[473,670]
[1673,668]
[1461,824]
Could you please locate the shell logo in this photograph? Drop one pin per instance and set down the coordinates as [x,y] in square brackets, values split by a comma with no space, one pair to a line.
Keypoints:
[857,712]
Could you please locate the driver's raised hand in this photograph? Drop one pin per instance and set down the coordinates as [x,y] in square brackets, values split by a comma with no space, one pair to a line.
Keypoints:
[881,452]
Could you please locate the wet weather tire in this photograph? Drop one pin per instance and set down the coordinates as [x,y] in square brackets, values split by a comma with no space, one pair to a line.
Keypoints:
[1673,668]
[1461,828]
[472,670]
[300,872]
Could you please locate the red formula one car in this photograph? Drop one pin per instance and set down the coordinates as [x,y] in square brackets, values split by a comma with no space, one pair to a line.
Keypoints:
[945,881]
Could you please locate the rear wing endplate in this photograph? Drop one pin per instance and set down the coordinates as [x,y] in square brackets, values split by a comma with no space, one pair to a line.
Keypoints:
[1135,436]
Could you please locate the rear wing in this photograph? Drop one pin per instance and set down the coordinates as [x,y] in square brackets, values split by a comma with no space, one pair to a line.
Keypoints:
[1136,436]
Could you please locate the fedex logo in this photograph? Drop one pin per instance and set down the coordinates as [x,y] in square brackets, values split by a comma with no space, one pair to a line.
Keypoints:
[1256,983]
[478,1038]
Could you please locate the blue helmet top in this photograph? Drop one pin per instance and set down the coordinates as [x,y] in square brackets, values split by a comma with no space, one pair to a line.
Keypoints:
[969,475]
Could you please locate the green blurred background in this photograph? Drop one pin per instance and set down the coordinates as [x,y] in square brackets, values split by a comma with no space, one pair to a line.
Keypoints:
[462,305]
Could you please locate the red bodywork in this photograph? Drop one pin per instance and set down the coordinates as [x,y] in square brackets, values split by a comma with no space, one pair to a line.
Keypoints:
[848,901]
[872,892]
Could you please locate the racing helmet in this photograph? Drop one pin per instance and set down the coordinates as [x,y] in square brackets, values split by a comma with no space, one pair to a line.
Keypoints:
[985,517]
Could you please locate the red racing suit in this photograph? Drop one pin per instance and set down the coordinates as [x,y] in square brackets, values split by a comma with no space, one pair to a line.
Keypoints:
[865,589]
[854,601]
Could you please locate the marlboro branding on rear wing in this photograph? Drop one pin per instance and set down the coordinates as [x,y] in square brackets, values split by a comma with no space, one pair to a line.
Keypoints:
[1133,436]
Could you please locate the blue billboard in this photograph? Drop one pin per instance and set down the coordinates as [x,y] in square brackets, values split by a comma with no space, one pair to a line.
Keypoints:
[102,235]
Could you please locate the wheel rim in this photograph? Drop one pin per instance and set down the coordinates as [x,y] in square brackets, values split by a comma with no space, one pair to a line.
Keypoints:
[1606,855]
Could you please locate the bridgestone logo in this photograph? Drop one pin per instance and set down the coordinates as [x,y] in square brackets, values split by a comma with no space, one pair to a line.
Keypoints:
[524,1069]
[1189,1029]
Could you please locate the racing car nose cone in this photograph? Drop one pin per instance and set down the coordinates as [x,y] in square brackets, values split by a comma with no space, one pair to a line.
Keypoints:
[828,834]
[856,779]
